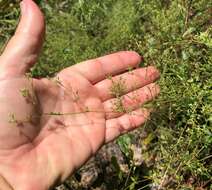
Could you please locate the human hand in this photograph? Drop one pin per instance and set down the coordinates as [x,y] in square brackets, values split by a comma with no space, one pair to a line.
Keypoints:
[50,127]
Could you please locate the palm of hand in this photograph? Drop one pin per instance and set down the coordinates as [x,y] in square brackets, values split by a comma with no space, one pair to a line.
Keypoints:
[64,132]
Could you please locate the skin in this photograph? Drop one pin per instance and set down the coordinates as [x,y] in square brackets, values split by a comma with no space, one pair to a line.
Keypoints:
[40,147]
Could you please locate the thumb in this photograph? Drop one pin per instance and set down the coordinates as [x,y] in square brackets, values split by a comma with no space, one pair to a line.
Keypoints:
[23,49]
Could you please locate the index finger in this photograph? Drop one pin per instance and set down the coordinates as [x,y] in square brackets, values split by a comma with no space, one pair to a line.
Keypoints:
[98,69]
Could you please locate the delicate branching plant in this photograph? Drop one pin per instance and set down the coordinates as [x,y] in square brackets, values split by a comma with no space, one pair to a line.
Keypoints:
[12,118]
[28,92]
[118,87]
[74,94]
[20,124]
[117,90]
[30,98]
[25,92]
[118,106]
[58,81]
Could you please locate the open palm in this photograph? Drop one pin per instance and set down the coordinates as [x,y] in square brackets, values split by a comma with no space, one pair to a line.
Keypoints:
[50,127]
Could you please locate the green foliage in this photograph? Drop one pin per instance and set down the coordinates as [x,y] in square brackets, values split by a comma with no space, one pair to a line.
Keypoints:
[175,36]
[124,143]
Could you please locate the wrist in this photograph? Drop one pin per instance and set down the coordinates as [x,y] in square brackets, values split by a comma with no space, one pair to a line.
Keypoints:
[4,185]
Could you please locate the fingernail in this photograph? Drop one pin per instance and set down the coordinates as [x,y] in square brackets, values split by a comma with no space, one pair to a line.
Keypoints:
[23,7]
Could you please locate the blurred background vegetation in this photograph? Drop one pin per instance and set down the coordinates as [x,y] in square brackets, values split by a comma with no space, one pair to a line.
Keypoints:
[173,35]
